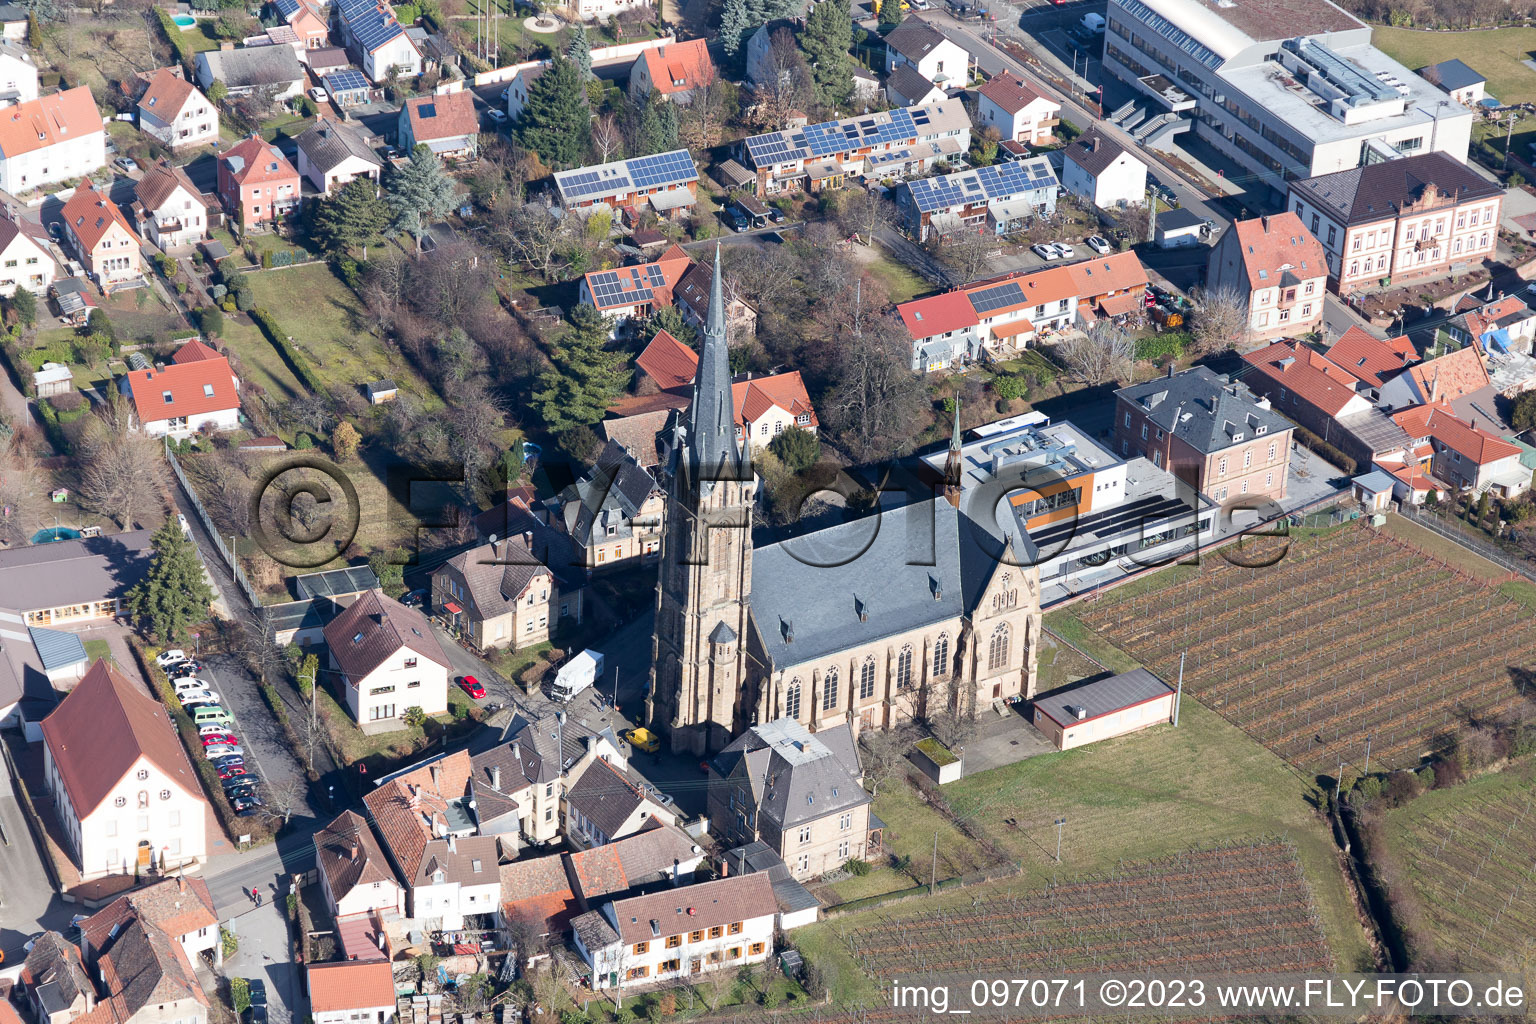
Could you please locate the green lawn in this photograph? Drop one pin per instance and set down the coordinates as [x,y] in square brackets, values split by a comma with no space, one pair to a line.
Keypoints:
[1070,628]
[96,649]
[900,283]
[198,37]
[1496,54]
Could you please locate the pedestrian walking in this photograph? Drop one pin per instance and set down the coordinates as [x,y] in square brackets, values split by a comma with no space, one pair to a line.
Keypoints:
[250,893]
[258,898]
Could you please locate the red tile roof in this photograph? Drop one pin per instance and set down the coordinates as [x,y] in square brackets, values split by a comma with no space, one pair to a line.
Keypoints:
[101,730]
[938,314]
[48,121]
[1009,92]
[1439,422]
[668,362]
[753,398]
[198,388]
[195,351]
[254,160]
[443,116]
[351,985]
[89,215]
[1106,275]
[168,92]
[177,906]
[1451,376]
[1268,246]
[1371,359]
[679,67]
[539,893]
[1305,372]
[404,807]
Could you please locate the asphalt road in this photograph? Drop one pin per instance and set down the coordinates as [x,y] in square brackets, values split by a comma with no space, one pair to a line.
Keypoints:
[28,903]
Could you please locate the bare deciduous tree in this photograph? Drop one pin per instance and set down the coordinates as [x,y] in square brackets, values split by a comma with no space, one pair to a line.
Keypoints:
[531,235]
[1104,353]
[22,486]
[865,213]
[124,472]
[884,753]
[784,80]
[1221,320]
[877,397]
[967,252]
[607,138]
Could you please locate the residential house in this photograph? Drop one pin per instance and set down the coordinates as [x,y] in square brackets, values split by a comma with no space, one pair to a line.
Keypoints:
[935,56]
[26,254]
[998,199]
[383,47]
[426,817]
[146,979]
[639,434]
[667,182]
[1460,82]
[1214,434]
[516,92]
[257,184]
[332,154]
[445,123]
[1413,217]
[1461,454]
[602,10]
[1449,378]
[613,513]
[520,785]
[1000,317]
[173,111]
[800,794]
[169,208]
[678,933]
[1017,111]
[796,904]
[604,805]
[101,237]
[906,87]
[759,63]
[13,23]
[1103,172]
[196,392]
[354,874]
[309,26]
[181,909]
[904,142]
[351,992]
[1275,266]
[673,71]
[18,74]
[244,71]
[1505,323]
[1336,399]
[125,794]
[51,139]
[328,60]
[389,660]
[634,293]
[691,296]
[513,591]
[54,980]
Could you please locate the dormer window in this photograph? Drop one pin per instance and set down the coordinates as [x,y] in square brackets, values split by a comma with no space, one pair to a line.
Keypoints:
[207,390]
[1259,430]
[167,396]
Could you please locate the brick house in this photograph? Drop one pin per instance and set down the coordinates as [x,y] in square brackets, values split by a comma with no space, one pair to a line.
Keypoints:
[1214,434]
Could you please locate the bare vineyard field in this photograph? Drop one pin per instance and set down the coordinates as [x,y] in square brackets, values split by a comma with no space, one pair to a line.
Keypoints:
[1470,853]
[1350,636]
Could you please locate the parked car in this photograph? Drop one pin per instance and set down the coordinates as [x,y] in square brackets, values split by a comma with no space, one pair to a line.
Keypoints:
[184,685]
[471,686]
[219,739]
[1065,251]
[414,598]
[1045,251]
[498,118]
[252,801]
[209,730]
[231,772]
[240,792]
[247,779]
[736,220]
[165,659]
[318,95]
[199,696]
[210,715]
[776,215]
[1099,245]
[183,670]
[220,749]
[642,739]
[126,164]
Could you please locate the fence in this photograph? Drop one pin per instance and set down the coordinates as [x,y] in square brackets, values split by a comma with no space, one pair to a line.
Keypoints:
[1453,531]
[226,552]
[1003,869]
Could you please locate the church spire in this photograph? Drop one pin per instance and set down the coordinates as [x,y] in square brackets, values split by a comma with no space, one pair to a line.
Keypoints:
[953,471]
[712,418]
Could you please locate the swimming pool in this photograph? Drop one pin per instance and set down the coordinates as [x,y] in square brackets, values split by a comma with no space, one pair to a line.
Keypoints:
[55,533]
[184,21]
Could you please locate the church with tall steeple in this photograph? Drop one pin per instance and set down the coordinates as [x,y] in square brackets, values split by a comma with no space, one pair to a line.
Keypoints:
[907,613]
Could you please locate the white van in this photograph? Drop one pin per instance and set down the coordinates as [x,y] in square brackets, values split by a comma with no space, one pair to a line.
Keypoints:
[1094,23]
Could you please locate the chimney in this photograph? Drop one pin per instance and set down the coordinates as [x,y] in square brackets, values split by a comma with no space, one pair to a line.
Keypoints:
[352,850]
[453,846]
[496,776]
[676,871]
[591,743]
[493,545]
[181,883]
[528,538]
[1170,371]
[437,776]
[515,755]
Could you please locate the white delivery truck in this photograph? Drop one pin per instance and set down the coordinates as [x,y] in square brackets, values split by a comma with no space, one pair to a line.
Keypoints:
[577,674]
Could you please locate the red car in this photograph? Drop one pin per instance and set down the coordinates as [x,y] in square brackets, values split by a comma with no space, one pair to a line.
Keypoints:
[231,773]
[218,737]
[471,686]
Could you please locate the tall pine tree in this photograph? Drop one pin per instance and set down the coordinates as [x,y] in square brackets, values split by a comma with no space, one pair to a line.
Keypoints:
[174,594]
[825,41]
[420,192]
[657,129]
[580,51]
[556,123]
[353,216]
[890,14]
[735,25]
[586,377]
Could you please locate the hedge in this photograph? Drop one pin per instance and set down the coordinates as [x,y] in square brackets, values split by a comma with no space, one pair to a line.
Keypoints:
[1326,450]
[175,37]
[296,362]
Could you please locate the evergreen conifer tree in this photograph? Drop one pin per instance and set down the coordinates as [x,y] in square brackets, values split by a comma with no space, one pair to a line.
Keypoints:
[174,595]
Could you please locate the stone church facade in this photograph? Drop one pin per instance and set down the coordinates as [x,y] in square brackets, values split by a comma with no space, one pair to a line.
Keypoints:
[903,614]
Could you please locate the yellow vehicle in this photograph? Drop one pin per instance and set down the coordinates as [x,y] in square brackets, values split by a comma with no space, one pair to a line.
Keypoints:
[642,739]
[876,4]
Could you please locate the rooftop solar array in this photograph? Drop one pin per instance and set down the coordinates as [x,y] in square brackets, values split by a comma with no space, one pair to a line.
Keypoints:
[982,184]
[349,80]
[286,8]
[369,22]
[674,168]
[989,299]
[625,286]
[833,137]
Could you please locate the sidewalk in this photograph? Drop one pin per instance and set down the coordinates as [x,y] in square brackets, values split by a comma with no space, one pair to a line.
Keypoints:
[266,953]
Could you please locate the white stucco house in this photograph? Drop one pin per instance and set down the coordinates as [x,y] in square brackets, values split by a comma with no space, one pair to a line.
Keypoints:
[51,139]
[175,112]
[26,260]
[1101,171]
[351,992]
[125,793]
[354,874]
[331,154]
[935,56]
[389,660]
[196,391]
[1017,111]
[170,210]
[18,74]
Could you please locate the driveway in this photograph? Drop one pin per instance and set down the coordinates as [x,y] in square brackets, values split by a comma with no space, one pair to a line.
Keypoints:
[266,952]
[1002,739]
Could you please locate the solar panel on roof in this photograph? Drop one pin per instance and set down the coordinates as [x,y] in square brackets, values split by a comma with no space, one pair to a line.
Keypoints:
[345,81]
[987,300]
[285,8]
[663,169]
